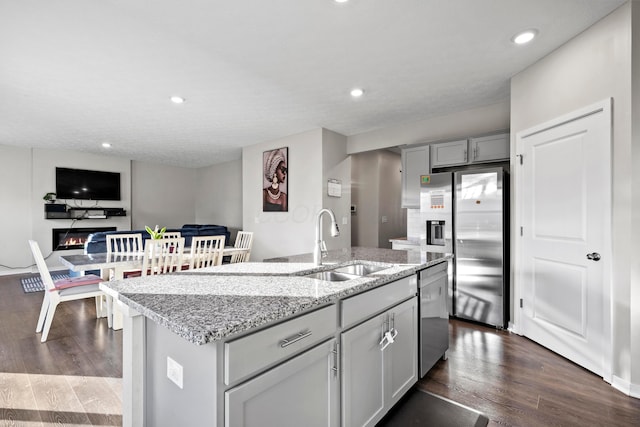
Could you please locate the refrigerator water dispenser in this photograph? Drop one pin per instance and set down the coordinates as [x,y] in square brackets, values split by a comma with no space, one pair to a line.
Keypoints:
[435,232]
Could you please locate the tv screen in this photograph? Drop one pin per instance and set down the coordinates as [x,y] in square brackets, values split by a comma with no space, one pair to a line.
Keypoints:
[87,184]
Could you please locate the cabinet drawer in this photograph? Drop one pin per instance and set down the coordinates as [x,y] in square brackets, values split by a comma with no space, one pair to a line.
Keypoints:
[364,305]
[253,352]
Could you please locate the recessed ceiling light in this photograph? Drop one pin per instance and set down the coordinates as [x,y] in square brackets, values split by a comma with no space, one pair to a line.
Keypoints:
[106,145]
[357,92]
[341,1]
[524,37]
[177,99]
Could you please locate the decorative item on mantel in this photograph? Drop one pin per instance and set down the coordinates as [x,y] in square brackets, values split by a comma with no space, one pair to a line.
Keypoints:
[155,233]
[50,197]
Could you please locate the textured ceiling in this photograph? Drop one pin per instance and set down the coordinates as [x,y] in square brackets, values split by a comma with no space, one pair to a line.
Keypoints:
[76,73]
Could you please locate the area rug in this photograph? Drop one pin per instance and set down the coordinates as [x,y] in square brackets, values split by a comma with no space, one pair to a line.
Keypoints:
[34,283]
[420,408]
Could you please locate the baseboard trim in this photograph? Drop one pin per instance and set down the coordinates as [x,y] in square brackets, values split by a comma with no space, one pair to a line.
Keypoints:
[626,387]
[17,271]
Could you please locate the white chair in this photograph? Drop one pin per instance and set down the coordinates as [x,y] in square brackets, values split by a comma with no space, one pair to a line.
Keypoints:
[171,235]
[124,243]
[206,251]
[162,256]
[61,290]
[121,244]
[244,240]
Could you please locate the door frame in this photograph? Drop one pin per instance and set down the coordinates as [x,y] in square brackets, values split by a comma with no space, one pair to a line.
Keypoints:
[605,107]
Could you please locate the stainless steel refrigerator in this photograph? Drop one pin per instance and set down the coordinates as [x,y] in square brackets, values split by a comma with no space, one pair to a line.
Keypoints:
[466,212]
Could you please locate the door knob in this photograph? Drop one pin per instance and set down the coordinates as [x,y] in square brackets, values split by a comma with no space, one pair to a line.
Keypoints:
[594,256]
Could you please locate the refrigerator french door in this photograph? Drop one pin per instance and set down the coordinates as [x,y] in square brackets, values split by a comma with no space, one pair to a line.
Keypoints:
[480,246]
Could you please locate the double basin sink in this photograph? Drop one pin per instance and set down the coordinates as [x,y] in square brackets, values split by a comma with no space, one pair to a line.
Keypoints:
[347,272]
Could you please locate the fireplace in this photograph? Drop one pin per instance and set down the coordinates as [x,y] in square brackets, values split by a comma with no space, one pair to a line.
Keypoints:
[65,239]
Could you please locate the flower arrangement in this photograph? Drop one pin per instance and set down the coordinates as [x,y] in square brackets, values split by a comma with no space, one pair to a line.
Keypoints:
[155,233]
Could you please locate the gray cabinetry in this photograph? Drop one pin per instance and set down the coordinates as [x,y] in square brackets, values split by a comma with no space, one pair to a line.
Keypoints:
[377,370]
[489,148]
[415,162]
[449,153]
[300,392]
[483,149]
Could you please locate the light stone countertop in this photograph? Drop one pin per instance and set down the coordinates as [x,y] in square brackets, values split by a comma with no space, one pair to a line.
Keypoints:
[215,303]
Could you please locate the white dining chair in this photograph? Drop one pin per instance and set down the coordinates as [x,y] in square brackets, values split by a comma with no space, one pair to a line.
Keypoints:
[206,251]
[244,240]
[162,256]
[62,290]
[125,244]
[171,235]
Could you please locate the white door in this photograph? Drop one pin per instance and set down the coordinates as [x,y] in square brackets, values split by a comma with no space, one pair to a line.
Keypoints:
[565,249]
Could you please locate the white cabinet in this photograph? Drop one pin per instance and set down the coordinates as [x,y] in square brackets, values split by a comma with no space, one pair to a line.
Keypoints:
[376,372]
[490,148]
[415,162]
[300,392]
[449,153]
[475,150]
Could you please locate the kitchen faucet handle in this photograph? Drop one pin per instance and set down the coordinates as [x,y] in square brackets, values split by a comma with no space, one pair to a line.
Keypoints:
[323,248]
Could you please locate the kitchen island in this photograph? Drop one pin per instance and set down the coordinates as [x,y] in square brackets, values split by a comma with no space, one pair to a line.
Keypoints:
[266,343]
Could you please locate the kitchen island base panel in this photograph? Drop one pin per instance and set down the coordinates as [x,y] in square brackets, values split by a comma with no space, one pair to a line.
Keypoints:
[168,405]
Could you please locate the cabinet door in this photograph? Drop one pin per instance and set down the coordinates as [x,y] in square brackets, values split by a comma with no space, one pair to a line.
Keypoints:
[363,393]
[449,153]
[490,148]
[402,355]
[300,392]
[415,162]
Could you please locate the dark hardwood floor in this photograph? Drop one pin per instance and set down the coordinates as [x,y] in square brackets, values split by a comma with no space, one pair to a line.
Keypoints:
[75,377]
[516,382]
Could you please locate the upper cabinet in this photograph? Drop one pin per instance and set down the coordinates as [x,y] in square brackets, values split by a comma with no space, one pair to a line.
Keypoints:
[474,150]
[415,162]
[489,148]
[449,153]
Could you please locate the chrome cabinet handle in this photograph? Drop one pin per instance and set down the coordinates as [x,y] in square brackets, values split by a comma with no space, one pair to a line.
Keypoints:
[594,256]
[294,339]
[335,360]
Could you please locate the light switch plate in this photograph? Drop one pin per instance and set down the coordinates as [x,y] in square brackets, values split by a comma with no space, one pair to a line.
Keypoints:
[174,371]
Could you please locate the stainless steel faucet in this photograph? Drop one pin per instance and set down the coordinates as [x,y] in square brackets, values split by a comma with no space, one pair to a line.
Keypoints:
[320,249]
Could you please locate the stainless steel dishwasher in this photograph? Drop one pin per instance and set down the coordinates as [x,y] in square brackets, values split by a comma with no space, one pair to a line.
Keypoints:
[434,316]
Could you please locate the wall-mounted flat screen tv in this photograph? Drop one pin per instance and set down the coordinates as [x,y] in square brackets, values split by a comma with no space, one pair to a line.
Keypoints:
[87,184]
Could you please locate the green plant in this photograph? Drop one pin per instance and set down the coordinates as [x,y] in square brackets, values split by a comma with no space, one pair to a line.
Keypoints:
[155,233]
[50,196]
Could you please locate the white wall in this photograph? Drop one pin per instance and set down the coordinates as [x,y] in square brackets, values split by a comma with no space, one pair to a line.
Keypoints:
[634,279]
[336,165]
[219,196]
[476,121]
[27,174]
[292,232]
[15,211]
[596,65]
[164,195]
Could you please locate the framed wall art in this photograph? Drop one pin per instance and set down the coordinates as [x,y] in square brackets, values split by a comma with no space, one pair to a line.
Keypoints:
[275,180]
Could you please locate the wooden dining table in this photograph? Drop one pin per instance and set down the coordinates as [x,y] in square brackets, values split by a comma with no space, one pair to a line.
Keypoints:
[113,266]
